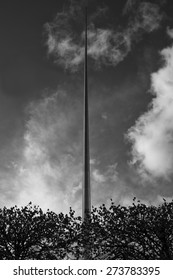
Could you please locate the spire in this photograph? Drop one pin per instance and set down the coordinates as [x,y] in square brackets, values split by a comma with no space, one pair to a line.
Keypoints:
[86,207]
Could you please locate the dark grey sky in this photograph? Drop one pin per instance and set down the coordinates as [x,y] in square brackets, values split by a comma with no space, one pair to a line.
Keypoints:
[41,87]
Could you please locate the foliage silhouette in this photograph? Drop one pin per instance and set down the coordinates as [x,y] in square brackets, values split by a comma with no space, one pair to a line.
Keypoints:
[134,232]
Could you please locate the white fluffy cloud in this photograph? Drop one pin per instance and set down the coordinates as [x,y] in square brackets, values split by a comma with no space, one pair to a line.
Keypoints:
[152,135]
[105,46]
[49,171]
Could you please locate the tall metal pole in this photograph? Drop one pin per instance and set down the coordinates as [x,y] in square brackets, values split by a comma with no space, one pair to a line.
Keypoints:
[86,207]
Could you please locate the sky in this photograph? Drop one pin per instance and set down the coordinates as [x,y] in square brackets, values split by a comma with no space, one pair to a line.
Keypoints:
[130,72]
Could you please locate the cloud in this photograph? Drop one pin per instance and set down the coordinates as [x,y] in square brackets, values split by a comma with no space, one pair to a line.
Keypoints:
[148,17]
[152,135]
[48,168]
[130,4]
[67,53]
[106,46]
[133,4]
[48,171]
[110,175]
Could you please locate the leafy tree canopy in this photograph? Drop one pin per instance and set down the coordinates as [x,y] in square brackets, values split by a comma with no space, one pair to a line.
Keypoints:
[118,232]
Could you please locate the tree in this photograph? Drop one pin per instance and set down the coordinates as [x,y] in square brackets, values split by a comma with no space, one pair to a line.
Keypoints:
[21,231]
[28,233]
[134,232]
